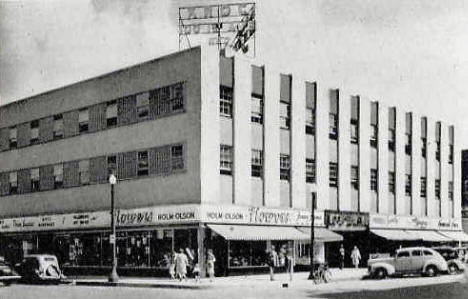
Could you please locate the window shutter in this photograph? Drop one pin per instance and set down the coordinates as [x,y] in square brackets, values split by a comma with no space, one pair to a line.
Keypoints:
[4,183]
[311,94]
[46,177]
[24,181]
[153,103]
[46,129]
[285,88]
[374,113]
[24,134]
[392,118]
[127,165]
[126,110]
[71,174]
[160,160]
[4,139]
[98,170]
[226,71]
[97,117]
[257,80]
[355,107]
[70,123]
[423,127]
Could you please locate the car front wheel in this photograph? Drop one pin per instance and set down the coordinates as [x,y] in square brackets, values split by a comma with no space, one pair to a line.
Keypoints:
[453,269]
[380,273]
[431,271]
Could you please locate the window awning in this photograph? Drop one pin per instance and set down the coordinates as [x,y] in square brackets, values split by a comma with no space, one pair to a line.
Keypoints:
[322,234]
[455,235]
[428,235]
[258,232]
[394,234]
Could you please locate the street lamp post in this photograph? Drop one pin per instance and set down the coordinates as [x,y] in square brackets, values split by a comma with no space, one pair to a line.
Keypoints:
[312,237]
[113,276]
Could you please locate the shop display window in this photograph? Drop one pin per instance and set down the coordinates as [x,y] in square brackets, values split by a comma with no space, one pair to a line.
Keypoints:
[247,254]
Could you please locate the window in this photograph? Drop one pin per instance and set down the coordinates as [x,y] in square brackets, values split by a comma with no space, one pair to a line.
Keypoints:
[285,115]
[257,163]
[177,97]
[83,168]
[450,157]
[177,157]
[333,170]
[142,105]
[408,184]
[13,182]
[374,134]
[257,110]
[437,153]
[83,120]
[34,179]
[427,252]
[373,179]
[408,144]
[333,126]
[355,177]
[225,104]
[225,159]
[423,190]
[391,140]
[142,168]
[58,126]
[416,253]
[310,121]
[111,114]
[112,165]
[58,176]
[310,170]
[13,140]
[354,131]
[423,147]
[437,188]
[450,190]
[285,166]
[34,132]
[403,254]
[391,182]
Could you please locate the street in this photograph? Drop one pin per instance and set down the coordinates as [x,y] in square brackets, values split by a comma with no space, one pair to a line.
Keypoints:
[418,287]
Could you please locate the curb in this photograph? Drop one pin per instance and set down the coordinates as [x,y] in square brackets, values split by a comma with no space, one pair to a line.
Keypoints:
[137,285]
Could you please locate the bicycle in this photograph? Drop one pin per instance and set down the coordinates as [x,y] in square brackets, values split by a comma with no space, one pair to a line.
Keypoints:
[322,274]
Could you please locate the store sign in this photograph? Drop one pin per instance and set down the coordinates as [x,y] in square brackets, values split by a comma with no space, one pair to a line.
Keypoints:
[346,220]
[413,222]
[157,215]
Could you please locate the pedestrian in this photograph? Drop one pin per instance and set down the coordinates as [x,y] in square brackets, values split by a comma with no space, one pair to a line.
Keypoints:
[342,256]
[355,257]
[282,257]
[196,272]
[210,263]
[181,262]
[171,257]
[273,262]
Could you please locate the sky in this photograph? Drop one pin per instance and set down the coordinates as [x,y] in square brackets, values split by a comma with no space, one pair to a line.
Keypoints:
[411,54]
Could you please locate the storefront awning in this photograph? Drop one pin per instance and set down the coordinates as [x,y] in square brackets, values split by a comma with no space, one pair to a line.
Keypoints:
[257,232]
[394,234]
[322,234]
[428,235]
[455,235]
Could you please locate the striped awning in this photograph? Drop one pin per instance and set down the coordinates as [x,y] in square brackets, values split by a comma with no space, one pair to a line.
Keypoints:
[455,235]
[394,234]
[258,232]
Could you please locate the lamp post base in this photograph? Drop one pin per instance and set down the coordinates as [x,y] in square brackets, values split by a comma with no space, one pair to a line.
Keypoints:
[114,277]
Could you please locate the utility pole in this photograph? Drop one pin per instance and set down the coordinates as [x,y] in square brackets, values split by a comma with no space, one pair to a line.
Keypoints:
[312,237]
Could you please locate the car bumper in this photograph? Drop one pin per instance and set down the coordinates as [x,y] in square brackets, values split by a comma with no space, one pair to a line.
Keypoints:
[10,278]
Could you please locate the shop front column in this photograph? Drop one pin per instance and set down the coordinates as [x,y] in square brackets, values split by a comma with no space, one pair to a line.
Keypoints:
[201,250]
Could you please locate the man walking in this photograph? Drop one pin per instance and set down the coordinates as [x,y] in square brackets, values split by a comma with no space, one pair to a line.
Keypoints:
[342,256]
[355,257]
[273,262]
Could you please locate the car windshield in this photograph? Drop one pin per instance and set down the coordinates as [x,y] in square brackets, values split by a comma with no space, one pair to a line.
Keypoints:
[49,259]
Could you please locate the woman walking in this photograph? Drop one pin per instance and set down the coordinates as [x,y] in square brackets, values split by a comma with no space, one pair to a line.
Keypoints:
[210,262]
[355,257]
[181,262]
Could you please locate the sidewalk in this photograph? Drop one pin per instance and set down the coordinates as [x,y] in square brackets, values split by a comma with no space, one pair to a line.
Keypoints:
[298,279]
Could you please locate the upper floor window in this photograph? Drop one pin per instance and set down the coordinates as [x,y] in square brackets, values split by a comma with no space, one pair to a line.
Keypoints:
[391,140]
[58,176]
[111,114]
[354,131]
[408,144]
[391,182]
[83,120]
[355,177]
[13,140]
[437,188]
[142,166]
[423,147]
[13,179]
[225,104]
[423,190]
[310,121]
[225,159]
[257,163]
[310,170]
[450,157]
[83,169]
[333,126]
[437,153]
[34,179]
[112,165]
[374,135]
[408,184]
[142,105]
[450,190]
[333,172]
[257,110]
[285,115]
[285,166]
[35,131]
[58,126]
[374,174]
[177,156]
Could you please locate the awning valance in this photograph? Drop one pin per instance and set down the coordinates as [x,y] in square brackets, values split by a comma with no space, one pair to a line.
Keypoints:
[257,232]
[322,234]
[394,234]
[428,235]
[455,235]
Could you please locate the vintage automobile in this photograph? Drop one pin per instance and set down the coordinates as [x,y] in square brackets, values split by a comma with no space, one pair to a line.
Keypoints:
[408,261]
[7,274]
[450,254]
[37,268]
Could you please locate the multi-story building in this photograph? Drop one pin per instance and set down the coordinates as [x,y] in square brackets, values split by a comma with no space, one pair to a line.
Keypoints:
[222,153]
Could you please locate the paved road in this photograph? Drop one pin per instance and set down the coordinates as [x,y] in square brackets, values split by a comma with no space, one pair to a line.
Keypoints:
[454,287]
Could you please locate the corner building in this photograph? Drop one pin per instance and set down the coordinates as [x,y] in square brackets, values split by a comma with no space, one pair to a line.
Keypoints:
[222,153]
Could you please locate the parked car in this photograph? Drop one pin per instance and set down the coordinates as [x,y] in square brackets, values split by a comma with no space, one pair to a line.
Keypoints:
[40,268]
[451,255]
[7,274]
[411,260]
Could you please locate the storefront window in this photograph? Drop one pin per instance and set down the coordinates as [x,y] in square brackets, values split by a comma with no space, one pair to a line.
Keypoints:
[247,254]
